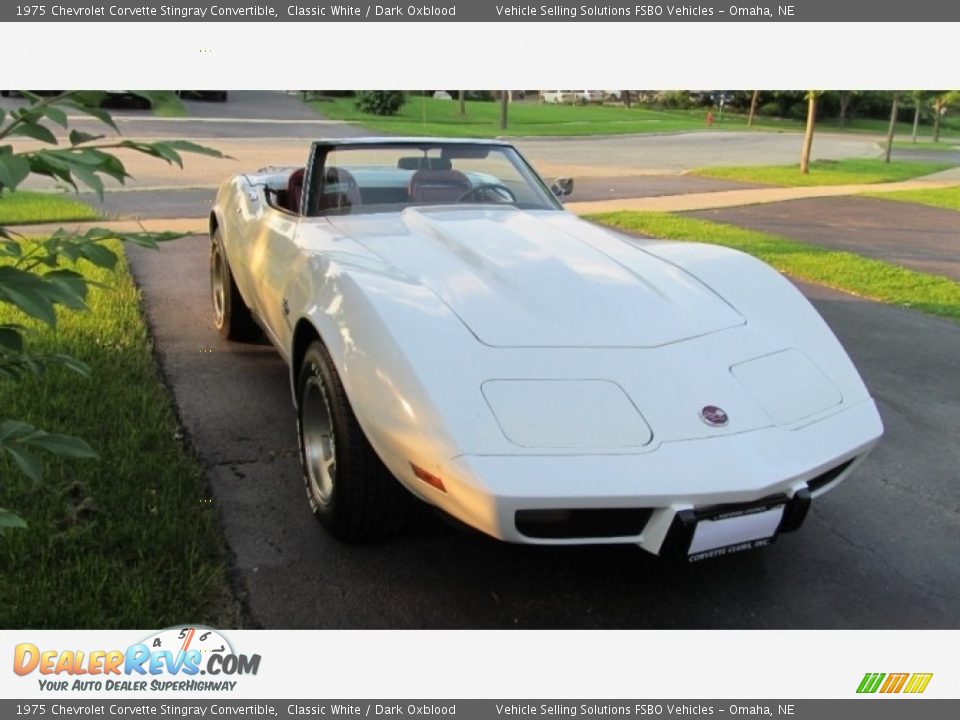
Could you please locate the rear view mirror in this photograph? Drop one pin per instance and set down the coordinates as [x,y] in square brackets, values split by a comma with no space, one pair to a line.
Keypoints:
[562,187]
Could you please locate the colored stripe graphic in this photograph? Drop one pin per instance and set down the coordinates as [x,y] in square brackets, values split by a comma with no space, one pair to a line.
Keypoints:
[870,682]
[918,682]
[894,683]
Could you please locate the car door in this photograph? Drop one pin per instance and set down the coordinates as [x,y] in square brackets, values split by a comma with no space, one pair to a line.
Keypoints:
[273,253]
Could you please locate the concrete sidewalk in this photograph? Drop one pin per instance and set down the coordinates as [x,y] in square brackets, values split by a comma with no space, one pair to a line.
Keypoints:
[759,196]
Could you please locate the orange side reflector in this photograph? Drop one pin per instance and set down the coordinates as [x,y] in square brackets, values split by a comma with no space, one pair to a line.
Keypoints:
[428,478]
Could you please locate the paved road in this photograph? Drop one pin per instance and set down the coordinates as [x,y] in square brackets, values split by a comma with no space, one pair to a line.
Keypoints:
[248,113]
[916,236]
[881,551]
[258,128]
[922,155]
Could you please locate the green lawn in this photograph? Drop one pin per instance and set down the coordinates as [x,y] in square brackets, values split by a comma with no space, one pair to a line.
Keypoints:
[948,198]
[129,541]
[24,207]
[949,128]
[853,273]
[441,118]
[826,172]
[925,144]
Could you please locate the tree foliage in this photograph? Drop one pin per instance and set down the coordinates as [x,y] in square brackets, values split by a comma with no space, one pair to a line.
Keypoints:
[39,277]
[380,102]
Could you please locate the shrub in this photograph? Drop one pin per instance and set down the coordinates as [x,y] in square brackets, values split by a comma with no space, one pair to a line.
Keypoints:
[380,102]
[676,100]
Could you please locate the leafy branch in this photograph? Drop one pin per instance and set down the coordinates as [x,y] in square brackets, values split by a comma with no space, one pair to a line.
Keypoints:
[37,277]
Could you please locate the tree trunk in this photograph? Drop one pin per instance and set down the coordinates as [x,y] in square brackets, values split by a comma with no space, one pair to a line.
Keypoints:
[462,96]
[504,104]
[626,98]
[753,108]
[808,135]
[916,122]
[844,107]
[937,107]
[893,125]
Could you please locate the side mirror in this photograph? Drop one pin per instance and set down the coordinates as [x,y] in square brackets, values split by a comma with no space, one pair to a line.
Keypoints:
[562,187]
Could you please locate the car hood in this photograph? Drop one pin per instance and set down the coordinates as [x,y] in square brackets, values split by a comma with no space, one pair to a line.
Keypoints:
[522,279]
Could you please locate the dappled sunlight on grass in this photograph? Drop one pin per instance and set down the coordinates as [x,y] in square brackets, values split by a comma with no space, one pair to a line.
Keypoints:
[108,539]
[24,207]
[947,198]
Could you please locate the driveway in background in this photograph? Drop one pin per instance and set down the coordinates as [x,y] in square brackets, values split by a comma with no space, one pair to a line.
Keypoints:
[916,236]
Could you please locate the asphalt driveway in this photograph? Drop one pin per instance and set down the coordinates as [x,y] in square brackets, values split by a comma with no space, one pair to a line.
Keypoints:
[917,236]
[881,551]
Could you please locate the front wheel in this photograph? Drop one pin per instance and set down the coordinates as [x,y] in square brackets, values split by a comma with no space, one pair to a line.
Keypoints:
[231,316]
[350,491]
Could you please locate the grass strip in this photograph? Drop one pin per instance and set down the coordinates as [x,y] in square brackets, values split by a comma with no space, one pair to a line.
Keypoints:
[866,277]
[947,198]
[853,171]
[130,540]
[927,144]
[25,207]
[442,118]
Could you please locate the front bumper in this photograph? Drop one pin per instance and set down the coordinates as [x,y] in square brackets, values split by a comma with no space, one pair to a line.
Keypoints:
[488,491]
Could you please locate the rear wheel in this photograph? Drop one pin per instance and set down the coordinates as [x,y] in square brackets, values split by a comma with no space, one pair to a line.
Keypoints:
[231,316]
[351,492]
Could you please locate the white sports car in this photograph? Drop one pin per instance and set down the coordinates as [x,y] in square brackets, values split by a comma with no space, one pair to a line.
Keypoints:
[451,331]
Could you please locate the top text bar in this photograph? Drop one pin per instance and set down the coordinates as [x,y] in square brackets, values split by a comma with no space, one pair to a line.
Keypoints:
[481,11]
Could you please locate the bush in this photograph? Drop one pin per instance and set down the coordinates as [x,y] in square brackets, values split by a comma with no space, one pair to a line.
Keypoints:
[676,100]
[380,102]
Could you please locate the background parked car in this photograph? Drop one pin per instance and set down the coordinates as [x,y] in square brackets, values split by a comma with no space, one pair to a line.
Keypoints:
[571,97]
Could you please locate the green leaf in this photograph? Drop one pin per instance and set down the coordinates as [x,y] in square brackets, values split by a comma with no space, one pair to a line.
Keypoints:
[36,131]
[13,170]
[66,446]
[28,463]
[78,137]
[28,292]
[56,114]
[191,147]
[11,339]
[12,429]
[67,288]
[71,363]
[10,519]
[89,103]
[89,178]
[99,255]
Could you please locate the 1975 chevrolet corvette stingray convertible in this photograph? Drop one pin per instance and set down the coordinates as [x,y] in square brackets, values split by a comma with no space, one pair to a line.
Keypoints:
[453,333]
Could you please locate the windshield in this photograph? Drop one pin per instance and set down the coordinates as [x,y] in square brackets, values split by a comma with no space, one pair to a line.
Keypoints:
[375,178]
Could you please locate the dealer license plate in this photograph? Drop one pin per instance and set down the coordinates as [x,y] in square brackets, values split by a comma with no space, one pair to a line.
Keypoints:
[734,531]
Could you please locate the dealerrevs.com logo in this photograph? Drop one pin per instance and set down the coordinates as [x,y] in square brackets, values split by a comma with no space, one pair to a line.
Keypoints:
[892,683]
[177,659]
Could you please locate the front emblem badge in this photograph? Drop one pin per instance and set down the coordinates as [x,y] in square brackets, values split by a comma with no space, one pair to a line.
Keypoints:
[714,416]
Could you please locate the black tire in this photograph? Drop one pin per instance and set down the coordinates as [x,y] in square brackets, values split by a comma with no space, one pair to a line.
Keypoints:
[231,316]
[359,499]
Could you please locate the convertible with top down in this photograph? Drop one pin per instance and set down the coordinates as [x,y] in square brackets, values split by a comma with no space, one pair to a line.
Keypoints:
[452,333]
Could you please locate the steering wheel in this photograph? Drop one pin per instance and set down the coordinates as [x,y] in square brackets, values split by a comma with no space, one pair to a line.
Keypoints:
[490,192]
